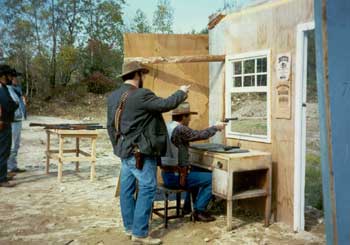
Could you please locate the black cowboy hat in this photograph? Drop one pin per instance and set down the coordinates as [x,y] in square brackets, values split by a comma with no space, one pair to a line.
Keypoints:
[5,70]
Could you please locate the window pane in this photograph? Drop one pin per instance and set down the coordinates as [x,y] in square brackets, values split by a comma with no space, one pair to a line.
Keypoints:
[251,110]
[261,80]
[237,68]
[237,81]
[262,65]
[249,81]
[249,66]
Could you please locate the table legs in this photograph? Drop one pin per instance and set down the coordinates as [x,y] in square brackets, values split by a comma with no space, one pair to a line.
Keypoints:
[60,158]
[93,159]
[77,153]
[47,152]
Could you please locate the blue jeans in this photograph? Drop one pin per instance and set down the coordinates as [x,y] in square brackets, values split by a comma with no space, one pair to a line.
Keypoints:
[16,140]
[198,181]
[136,212]
[5,148]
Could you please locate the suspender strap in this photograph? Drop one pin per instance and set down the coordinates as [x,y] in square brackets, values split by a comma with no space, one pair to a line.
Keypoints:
[119,112]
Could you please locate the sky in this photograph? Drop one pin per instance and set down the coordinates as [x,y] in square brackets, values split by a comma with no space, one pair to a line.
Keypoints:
[188,14]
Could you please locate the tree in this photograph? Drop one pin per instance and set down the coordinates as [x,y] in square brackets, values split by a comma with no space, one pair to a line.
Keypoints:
[140,23]
[163,17]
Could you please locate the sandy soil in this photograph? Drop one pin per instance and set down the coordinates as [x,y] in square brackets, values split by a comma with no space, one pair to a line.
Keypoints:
[41,211]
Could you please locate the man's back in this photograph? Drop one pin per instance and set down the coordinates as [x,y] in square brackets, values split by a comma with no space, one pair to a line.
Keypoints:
[141,123]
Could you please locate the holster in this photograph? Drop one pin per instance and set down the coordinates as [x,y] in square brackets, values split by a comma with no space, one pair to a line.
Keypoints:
[182,170]
[139,159]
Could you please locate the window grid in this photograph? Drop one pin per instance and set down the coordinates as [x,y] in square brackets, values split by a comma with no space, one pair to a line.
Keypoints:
[242,75]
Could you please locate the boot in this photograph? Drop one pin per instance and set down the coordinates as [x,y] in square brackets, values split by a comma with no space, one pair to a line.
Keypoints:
[146,240]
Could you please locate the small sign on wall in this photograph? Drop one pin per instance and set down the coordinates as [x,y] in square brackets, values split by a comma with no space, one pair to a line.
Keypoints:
[283,101]
[283,90]
[283,67]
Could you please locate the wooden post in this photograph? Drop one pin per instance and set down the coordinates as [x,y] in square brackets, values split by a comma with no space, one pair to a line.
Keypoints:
[60,158]
[229,199]
[268,180]
[47,151]
[93,159]
[332,21]
[77,154]
[177,59]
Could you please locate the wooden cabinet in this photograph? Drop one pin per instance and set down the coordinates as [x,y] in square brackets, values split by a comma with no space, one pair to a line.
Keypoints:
[237,176]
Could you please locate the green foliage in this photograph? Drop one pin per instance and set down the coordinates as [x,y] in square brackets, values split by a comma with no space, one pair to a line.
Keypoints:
[98,83]
[140,23]
[48,40]
[163,17]
[313,181]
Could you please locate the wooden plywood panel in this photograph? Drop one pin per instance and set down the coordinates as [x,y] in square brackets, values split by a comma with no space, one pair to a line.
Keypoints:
[270,26]
[164,79]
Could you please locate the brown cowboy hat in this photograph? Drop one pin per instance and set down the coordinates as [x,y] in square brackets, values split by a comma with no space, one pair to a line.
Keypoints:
[183,109]
[132,66]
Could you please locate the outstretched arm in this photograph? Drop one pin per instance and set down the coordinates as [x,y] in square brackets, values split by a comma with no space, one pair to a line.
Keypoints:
[151,102]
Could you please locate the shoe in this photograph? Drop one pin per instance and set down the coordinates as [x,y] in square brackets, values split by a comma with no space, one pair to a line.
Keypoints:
[146,240]
[128,234]
[10,174]
[8,177]
[7,184]
[202,216]
[18,170]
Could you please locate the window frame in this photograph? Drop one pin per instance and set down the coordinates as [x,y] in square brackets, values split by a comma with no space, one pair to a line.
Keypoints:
[229,78]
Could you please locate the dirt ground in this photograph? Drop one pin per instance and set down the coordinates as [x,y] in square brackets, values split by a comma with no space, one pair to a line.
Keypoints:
[41,211]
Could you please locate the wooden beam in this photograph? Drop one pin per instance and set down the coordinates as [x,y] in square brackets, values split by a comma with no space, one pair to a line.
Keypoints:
[177,59]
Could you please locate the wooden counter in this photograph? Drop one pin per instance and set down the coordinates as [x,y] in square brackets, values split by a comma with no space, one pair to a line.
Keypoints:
[229,168]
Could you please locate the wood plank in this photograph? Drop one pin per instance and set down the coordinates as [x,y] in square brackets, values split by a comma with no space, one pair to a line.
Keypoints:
[177,59]
[164,79]
[249,194]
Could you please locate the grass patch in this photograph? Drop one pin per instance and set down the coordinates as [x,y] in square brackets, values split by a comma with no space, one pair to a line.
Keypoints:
[313,181]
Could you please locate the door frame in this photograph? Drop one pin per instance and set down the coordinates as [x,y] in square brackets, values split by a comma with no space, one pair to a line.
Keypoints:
[300,125]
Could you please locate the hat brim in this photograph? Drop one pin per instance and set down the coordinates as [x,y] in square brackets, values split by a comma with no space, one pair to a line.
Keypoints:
[184,113]
[143,70]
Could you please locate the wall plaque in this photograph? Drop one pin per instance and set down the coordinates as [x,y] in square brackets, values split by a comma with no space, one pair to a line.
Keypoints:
[283,67]
[283,103]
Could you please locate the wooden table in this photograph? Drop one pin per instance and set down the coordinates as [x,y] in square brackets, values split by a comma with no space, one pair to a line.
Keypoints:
[80,155]
[229,169]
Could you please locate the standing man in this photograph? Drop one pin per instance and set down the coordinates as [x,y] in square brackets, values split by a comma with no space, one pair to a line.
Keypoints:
[16,94]
[139,137]
[176,171]
[7,110]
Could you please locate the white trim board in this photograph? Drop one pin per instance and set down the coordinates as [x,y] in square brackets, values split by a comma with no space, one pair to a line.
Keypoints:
[300,125]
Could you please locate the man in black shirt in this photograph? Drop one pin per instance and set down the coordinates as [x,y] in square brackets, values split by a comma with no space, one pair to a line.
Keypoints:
[7,110]
[139,129]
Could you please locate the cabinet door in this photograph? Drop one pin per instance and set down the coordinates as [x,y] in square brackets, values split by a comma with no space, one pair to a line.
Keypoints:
[220,183]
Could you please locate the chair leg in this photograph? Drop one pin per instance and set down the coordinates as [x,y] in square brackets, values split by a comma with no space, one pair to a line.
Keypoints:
[192,208]
[166,210]
[178,204]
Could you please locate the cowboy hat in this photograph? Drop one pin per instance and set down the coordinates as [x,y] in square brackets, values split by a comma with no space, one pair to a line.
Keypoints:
[183,109]
[5,70]
[132,66]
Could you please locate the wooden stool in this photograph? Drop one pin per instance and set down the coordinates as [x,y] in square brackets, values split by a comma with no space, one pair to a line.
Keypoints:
[164,211]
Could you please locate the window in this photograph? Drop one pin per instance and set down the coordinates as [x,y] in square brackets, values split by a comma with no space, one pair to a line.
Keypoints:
[248,96]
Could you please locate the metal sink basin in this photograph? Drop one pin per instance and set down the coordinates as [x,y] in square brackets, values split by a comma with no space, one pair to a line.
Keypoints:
[220,148]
